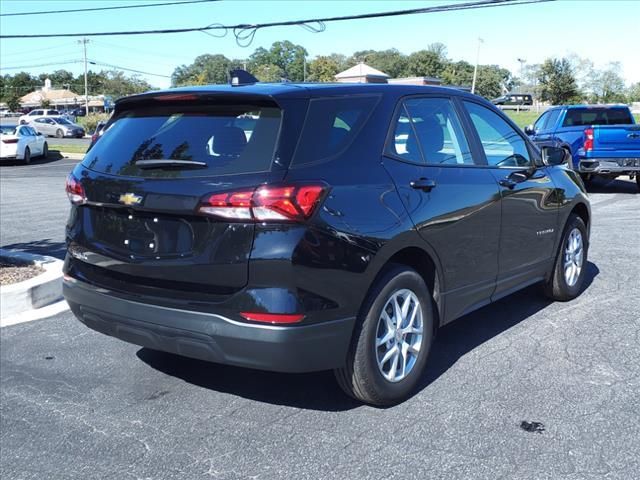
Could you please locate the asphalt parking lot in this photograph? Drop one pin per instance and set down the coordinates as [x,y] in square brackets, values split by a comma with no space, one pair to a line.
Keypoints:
[77,404]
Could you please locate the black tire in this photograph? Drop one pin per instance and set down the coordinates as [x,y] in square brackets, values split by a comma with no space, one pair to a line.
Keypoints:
[45,150]
[27,156]
[361,378]
[557,287]
[22,122]
[638,180]
[59,133]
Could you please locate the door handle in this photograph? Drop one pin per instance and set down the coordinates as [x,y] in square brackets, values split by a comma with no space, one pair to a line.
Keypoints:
[511,180]
[424,184]
[507,182]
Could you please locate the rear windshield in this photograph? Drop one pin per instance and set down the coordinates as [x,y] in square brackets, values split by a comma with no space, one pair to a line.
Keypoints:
[230,139]
[597,116]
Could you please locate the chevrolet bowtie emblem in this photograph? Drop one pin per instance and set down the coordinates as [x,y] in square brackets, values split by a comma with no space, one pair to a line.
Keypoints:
[130,199]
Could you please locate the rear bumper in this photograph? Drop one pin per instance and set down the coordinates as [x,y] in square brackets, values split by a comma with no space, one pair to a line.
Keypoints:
[609,165]
[211,337]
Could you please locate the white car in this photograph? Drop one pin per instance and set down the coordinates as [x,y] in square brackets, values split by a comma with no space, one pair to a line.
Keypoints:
[21,143]
[38,113]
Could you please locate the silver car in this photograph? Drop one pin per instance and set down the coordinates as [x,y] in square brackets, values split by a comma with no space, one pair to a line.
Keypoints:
[57,127]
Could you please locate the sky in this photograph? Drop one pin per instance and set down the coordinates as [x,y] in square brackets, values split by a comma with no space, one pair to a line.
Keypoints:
[602,30]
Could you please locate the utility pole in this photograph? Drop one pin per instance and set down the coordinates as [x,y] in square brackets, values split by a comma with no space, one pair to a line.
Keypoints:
[84,42]
[475,70]
[522,61]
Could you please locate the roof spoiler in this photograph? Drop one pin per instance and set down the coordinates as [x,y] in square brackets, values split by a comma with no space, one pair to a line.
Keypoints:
[239,77]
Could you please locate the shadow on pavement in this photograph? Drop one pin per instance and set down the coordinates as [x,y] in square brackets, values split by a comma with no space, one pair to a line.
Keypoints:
[604,185]
[54,156]
[41,247]
[319,391]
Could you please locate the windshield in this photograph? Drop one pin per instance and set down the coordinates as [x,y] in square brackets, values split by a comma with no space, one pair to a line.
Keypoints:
[228,139]
[62,121]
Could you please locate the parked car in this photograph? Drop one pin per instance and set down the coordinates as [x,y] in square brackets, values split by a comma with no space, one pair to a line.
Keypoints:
[97,133]
[603,140]
[514,99]
[5,112]
[339,230]
[33,114]
[21,143]
[59,127]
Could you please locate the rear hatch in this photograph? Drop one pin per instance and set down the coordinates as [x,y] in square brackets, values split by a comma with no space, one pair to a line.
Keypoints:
[139,229]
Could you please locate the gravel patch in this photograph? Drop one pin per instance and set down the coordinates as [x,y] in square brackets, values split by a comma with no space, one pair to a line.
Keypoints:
[17,272]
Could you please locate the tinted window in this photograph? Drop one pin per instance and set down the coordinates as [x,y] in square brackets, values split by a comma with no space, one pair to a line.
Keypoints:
[436,132]
[597,116]
[502,145]
[40,120]
[553,119]
[61,121]
[331,126]
[53,112]
[36,112]
[219,136]
[403,130]
[541,122]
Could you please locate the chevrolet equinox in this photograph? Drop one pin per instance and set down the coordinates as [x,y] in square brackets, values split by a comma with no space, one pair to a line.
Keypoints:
[297,228]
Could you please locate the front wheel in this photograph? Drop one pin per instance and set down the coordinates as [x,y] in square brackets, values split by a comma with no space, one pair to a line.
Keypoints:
[391,341]
[59,133]
[569,269]
[45,150]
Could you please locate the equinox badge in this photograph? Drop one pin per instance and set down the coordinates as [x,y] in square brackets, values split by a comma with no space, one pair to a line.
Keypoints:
[130,199]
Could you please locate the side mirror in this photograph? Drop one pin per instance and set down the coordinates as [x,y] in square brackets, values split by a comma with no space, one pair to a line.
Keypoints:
[39,134]
[555,156]
[529,130]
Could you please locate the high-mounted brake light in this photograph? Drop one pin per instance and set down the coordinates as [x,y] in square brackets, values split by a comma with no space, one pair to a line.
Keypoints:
[588,140]
[273,318]
[265,203]
[75,191]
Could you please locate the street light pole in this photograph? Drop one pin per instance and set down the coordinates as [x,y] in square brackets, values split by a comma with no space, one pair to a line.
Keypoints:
[522,62]
[475,70]
[84,42]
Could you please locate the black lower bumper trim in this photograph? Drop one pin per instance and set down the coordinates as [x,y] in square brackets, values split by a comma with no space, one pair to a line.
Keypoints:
[211,337]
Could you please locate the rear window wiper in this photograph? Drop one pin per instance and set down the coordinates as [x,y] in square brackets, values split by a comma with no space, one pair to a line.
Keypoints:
[162,163]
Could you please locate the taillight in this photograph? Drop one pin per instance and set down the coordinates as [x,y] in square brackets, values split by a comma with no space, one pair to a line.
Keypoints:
[75,191]
[273,318]
[588,140]
[265,203]
[10,140]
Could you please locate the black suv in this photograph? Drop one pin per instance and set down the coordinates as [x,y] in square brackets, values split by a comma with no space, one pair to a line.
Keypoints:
[307,227]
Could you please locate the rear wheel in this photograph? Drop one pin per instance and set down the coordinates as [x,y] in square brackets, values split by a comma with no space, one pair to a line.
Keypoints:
[638,180]
[391,341]
[59,133]
[569,270]
[26,159]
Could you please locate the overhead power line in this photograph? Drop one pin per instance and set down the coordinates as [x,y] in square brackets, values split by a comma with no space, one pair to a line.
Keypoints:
[108,65]
[64,62]
[97,9]
[245,32]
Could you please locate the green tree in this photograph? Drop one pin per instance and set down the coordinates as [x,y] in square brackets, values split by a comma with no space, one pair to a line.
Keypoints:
[424,63]
[268,73]
[45,103]
[390,61]
[607,85]
[492,81]
[633,93]
[557,82]
[208,68]
[287,56]
[59,78]
[458,74]
[323,69]
[13,102]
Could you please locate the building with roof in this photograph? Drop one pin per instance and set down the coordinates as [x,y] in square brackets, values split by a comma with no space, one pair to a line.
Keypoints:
[57,98]
[363,73]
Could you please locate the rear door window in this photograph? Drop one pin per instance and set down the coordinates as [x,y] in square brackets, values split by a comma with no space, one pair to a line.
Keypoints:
[553,119]
[229,139]
[433,133]
[331,126]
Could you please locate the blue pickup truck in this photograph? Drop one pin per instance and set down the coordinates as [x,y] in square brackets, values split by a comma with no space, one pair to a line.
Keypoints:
[603,140]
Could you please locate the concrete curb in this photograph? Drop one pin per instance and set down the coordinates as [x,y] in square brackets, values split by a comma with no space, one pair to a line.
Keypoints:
[34,293]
